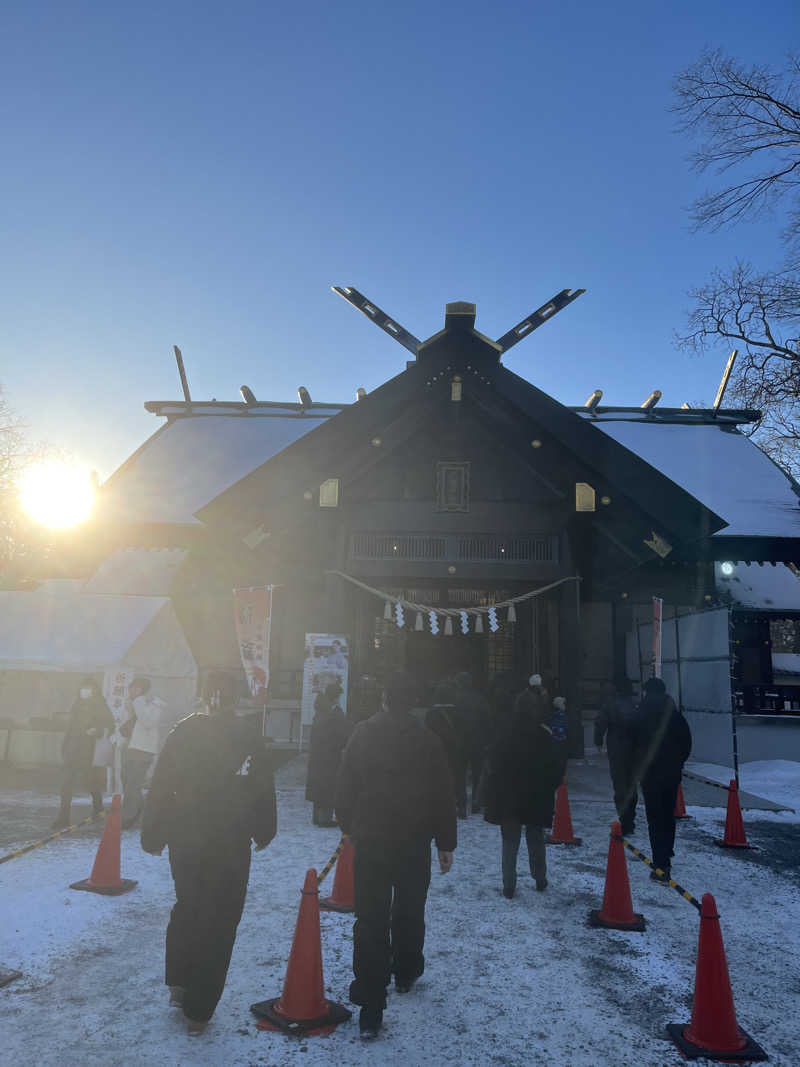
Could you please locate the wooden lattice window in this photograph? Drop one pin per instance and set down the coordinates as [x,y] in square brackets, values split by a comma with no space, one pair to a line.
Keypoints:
[452,486]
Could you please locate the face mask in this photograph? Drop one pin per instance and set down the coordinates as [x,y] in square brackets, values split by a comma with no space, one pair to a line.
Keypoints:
[86,693]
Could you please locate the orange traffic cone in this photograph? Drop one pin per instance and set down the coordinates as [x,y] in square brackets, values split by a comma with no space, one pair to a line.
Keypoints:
[734,827]
[562,833]
[302,1008]
[680,807]
[617,911]
[343,896]
[713,1031]
[105,877]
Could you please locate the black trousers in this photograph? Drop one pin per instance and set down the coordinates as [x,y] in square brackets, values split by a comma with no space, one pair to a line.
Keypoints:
[511,832]
[625,788]
[391,886]
[659,803]
[476,771]
[210,887]
[322,815]
[77,775]
[458,769]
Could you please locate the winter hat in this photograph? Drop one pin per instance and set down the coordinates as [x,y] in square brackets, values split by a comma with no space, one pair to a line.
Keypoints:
[559,703]
[534,680]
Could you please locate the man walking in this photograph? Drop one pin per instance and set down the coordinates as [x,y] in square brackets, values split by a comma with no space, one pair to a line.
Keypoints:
[212,792]
[394,795]
[664,742]
[329,733]
[615,724]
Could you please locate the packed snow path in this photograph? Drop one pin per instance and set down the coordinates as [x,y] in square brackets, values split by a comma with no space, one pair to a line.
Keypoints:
[507,982]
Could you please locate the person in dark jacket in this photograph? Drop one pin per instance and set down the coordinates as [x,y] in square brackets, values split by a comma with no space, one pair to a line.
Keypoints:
[472,714]
[212,792]
[90,718]
[394,796]
[663,744]
[615,725]
[526,766]
[443,719]
[329,733]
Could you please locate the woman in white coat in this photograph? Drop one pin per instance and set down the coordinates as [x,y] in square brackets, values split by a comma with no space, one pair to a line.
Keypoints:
[145,739]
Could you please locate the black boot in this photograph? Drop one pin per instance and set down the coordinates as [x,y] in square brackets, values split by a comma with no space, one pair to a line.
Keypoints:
[369,1023]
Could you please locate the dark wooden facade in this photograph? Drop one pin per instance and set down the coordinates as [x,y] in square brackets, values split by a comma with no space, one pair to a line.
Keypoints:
[456,485]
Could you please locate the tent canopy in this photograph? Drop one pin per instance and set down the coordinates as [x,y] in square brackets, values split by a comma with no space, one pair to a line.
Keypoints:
[82,632]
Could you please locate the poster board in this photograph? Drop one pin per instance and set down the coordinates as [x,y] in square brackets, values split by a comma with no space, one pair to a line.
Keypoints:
[326,661]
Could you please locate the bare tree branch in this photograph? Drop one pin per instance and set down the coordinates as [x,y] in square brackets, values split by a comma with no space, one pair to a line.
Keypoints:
[745,119]
[759,314]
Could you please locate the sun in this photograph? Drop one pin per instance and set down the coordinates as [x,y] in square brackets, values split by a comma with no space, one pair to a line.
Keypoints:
[57,494]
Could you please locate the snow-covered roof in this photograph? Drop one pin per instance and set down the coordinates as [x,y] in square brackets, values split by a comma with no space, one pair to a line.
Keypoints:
[137,572]
[88,634]
[718,466]
[764,587]
[60,586]
[191,460]
[785,663]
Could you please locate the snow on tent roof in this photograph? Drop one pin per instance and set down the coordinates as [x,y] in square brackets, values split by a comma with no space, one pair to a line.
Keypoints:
[81,632]
[722,469]
[137,572]
[767,588]
[191,460]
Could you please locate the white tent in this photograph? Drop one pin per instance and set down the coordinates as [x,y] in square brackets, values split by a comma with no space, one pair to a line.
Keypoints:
[49,640]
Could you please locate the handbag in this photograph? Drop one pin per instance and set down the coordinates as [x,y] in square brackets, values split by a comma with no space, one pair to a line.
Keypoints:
[103,752]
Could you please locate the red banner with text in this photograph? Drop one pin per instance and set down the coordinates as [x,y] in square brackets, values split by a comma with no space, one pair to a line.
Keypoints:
[253,614]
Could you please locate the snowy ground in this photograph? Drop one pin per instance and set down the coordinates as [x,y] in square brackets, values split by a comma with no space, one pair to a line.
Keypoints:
[519,982]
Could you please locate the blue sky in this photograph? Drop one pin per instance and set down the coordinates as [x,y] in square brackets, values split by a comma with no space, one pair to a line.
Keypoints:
[200,174]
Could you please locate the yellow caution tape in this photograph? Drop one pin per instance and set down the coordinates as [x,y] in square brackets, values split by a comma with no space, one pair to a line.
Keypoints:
[329,865]
[670,882]
[50,837]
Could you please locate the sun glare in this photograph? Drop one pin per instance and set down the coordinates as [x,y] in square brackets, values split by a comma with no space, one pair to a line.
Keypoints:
[58,495]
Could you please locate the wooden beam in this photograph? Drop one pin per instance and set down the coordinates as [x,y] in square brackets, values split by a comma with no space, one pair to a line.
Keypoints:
[723,385]
[538,318]
[182,372]
[379,317]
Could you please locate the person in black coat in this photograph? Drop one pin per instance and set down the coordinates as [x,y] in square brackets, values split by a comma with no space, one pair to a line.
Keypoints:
[329,733]
[89,719]
[663,744]
[472,714]
[444,720]
[615,724]
[212,792]
[526,766]
[394,796]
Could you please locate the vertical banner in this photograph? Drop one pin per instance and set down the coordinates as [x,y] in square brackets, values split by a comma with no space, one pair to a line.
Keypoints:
[253,614]
[115,691]
[327,659]
[658,612]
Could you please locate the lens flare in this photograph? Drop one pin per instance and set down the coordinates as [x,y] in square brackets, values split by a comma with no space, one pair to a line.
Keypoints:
[57,494]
